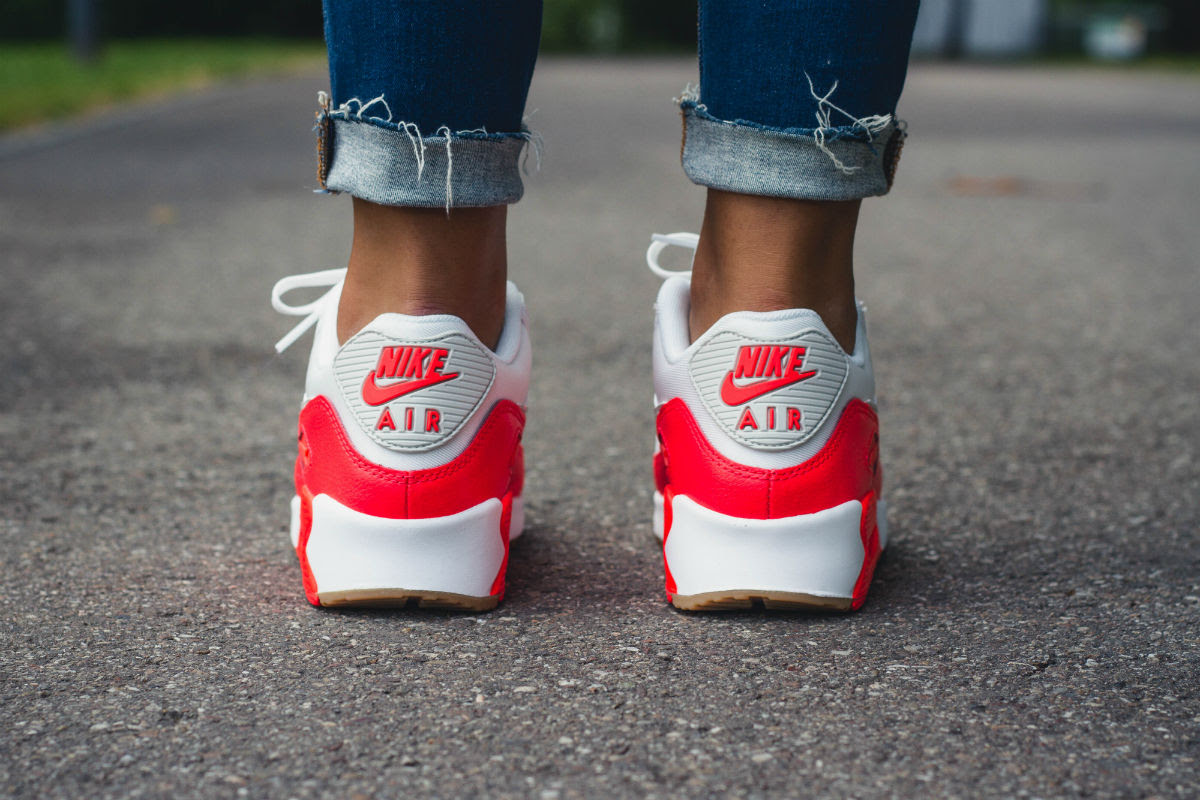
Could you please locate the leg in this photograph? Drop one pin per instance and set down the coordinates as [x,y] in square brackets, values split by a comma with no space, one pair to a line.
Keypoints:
[768,482]
[785,183]
[409,471]
[425,131]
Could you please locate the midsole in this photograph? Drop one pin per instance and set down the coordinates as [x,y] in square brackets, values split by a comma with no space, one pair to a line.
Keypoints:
[658,518]
[819,554]
[516,523]
[460,553]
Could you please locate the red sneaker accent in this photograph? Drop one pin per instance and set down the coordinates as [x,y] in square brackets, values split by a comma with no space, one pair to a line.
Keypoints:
[668,496]
[870,536]
[660,471]
[497,589]
[846,468]
[517,487]
[306,575]
[328,464]
[734,395]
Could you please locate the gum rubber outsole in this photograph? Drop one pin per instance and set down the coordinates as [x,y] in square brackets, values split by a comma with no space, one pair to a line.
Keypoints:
[740,600]
[399,598]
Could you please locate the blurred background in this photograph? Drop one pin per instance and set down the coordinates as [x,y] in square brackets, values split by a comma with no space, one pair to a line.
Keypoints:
[61,57]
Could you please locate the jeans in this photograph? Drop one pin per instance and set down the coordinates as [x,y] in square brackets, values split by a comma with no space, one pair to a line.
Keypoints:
[797,98]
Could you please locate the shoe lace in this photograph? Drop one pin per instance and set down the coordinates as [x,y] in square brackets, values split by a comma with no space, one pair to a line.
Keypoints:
[660,242]
[310,311]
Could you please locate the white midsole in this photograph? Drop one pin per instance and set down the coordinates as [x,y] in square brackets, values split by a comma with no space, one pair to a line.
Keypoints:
[819,554]
[516,522]
[295,526]
[459,553]
[657,521]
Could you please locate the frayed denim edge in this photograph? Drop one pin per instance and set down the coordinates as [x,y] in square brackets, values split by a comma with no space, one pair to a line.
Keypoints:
[375,167]
[828,162]
[833,134]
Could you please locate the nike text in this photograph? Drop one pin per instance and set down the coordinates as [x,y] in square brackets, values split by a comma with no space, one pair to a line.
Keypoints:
[771,366]
[410,361]
[771,361]
[420,367]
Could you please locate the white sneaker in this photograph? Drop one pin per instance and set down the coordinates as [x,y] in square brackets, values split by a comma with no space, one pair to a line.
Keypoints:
[410,466]
[767,471]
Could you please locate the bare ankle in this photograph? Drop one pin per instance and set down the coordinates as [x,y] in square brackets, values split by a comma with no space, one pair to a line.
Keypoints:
[424,261]
[768,254]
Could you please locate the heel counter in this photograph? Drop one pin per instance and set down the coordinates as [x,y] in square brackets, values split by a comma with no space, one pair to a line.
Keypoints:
[845,468]
[490,467]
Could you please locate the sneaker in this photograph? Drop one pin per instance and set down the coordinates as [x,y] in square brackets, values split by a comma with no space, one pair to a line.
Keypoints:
[410,467]
[767,470]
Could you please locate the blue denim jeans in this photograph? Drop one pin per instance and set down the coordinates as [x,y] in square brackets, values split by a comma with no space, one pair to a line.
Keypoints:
[797,98]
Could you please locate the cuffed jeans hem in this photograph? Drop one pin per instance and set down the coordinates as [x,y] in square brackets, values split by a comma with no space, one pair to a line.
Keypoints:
[835,163]
[390,166]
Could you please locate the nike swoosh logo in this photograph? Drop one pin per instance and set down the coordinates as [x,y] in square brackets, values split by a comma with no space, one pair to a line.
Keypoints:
[376,396]
[732,395]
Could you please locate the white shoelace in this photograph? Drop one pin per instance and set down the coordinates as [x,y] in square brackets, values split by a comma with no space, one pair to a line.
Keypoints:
[660,242]
[310,311]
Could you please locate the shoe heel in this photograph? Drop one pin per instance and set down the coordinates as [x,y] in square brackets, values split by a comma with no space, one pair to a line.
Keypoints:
[354,559]
[822,560]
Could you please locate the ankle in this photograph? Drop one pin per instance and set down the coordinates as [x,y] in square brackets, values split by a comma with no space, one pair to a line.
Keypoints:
[713,299]
[424,261]
[481,306]
[769,254]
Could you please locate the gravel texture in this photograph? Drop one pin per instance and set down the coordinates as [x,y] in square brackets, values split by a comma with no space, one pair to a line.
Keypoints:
[1031,632]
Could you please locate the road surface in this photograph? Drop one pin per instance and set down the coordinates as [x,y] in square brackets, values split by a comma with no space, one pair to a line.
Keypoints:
[1033,287]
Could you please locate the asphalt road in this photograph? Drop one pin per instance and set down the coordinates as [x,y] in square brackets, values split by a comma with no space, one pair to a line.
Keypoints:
[1032,632]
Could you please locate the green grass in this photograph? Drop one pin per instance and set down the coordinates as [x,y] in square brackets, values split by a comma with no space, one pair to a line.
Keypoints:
[41,81]
[1183,63]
